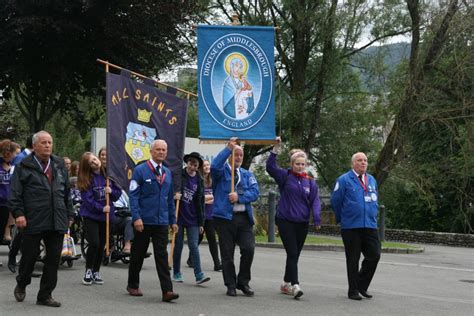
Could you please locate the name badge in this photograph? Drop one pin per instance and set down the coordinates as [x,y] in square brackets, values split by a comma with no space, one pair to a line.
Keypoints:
[367,198]
[374,197]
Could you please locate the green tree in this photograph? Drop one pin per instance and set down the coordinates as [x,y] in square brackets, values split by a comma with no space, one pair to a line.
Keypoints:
[48,49]
[431,188]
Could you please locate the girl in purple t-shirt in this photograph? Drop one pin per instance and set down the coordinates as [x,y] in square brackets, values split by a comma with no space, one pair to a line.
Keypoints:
[299,198]
[92,184]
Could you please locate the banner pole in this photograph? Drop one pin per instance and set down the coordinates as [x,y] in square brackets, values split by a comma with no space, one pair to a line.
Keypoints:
[232,171]
[188,93]
[173,238]
[107,203]
[107,220]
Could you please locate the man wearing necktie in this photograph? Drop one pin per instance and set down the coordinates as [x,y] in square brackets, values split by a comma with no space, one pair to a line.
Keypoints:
[153,213]
[41,205]
[355,204]
[233,216]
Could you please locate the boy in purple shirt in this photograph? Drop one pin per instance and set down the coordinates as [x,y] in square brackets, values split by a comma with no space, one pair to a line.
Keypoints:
[298,198]
[190,217]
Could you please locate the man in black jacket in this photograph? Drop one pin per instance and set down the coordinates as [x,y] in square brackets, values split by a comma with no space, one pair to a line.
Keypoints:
[42,209]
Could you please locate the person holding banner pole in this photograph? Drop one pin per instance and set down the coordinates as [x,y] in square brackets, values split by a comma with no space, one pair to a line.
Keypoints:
[153,211]
[95,210]
[191,217]
[299,198]
[233,215]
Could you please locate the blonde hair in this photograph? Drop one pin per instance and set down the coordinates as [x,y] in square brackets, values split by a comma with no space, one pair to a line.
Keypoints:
[297,154]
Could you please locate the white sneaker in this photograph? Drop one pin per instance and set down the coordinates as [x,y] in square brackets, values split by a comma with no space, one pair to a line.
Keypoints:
[87,280]
[97,278]
[286,288]
[297,292]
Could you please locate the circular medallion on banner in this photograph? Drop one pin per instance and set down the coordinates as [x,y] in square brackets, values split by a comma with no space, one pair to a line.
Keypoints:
[236,82]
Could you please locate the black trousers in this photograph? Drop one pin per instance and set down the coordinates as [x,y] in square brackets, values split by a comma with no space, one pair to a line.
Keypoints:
[159,237]
[237,231]
[210,232]
[365,240]
[30,249]
[4,213]
[15,244]
[95,235]
[293,236]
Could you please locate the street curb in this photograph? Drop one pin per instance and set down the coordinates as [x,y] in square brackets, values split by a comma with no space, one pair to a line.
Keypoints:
[329,247]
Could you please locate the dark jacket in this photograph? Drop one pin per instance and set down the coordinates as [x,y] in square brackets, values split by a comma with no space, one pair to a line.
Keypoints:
[46,206]
[198,198]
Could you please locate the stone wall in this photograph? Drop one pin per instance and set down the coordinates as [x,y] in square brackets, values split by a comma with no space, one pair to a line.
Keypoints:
[329,227]
[413,236]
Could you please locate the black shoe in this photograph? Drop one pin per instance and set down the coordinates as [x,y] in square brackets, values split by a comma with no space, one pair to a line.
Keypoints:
[355,296]
[189,262]
[365,294]
[218,267]
[231,291]
[19,294]
[50,302]
[246,290]
[12,264]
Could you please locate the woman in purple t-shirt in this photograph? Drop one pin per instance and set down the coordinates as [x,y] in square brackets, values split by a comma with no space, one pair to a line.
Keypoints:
[299,198]
[7,154]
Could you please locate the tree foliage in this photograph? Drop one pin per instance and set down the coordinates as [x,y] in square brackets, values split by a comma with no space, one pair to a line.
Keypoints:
[48,49]
[432,186]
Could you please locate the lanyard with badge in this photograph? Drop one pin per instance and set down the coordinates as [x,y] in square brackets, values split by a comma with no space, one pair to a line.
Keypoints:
[367,197]
[372,197]
[45,169]
[159,178]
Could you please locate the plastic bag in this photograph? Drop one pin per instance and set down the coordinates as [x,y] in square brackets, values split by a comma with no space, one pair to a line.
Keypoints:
[69,250]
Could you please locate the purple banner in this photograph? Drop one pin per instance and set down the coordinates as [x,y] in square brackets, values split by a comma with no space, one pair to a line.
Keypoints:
[137,114]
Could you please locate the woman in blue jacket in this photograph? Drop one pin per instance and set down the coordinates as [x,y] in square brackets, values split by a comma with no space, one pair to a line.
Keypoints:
[92,184]
[299,198]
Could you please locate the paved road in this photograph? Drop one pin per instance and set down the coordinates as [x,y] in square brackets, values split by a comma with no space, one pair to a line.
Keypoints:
[439,281]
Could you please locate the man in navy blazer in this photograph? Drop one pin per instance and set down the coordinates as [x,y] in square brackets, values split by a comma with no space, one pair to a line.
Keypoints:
[153,211]
[355,203]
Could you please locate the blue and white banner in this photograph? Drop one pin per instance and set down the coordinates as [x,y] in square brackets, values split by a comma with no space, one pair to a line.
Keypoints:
[235,82]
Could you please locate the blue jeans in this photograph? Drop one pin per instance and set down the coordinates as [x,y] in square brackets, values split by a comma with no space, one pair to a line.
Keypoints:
[193,238]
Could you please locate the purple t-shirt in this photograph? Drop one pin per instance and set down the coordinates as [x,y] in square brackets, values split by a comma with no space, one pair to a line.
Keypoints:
[5,178]
[187,213]
[209,207]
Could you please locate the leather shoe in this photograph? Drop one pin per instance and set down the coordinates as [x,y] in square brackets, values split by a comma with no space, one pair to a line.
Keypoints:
[246,290]
[134,292]
[169,296]
[366,294]
[50,302]
[355,296]
[19,294]
[231,292]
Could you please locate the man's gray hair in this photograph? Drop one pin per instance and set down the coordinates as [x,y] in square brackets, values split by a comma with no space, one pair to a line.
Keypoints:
[36,136]
[156,141]
[354,156]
